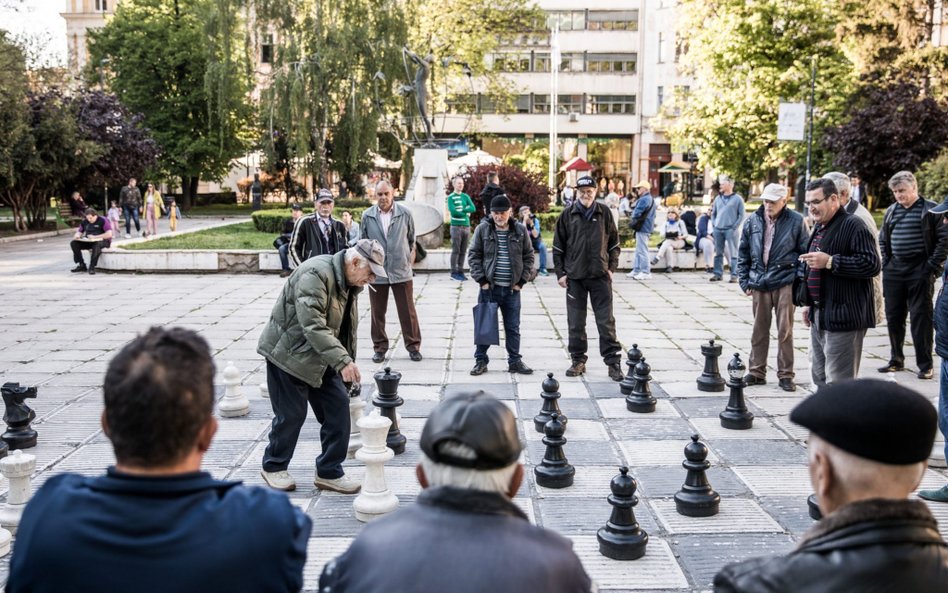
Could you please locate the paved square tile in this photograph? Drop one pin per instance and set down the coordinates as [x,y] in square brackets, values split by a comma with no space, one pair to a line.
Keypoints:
[735,515]
[658,569]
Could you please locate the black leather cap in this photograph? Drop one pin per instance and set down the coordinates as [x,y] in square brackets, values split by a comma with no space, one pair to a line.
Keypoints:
[478,421]
[500,203]
[876,420]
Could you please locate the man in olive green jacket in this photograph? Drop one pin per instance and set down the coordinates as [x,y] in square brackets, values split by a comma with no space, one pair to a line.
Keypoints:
[310,345]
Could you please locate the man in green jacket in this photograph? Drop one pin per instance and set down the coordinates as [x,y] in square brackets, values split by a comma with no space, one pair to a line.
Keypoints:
[460,207]
[310,345]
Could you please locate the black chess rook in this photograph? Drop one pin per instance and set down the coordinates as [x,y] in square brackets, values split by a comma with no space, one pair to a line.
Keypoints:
[640,400]
[710,379]
[386,400]
[736,416]
[696,497]
[554,471]
[622,538]
[18,417]
[551,395]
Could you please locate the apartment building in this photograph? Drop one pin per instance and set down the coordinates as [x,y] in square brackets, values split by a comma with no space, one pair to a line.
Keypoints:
[80,16]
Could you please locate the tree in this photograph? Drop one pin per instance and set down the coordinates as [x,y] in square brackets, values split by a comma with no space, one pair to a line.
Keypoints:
[13,107]
[933,178]
[166,59]
[523,188]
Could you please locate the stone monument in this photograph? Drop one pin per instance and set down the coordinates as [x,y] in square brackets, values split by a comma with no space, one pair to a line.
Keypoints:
[375,499]
[17,468]
[234,403]
[18,416]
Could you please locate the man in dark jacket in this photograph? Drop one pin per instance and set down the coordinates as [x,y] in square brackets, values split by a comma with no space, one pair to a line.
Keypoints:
[491,191]
[130,199]
[501,262]
[914,247]
[836,285]
[94,234]
[867,449]
[586,255]
[155,517]
[282,243]
[463,534]
[319,233]
[771,242]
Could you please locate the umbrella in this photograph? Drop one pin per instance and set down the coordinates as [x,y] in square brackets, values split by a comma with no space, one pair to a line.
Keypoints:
[576,164]
[475,158]
[380,162]
[676,167]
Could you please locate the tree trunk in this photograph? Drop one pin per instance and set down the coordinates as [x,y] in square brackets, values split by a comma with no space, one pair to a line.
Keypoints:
[189,187]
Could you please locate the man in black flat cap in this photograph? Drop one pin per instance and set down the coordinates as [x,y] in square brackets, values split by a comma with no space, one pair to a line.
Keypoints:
[463,534]
[869,441]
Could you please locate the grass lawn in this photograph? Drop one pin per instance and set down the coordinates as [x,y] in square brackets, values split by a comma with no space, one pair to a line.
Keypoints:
[242,235]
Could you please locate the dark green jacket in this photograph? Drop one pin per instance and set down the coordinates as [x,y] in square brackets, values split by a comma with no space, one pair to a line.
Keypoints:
[305,333]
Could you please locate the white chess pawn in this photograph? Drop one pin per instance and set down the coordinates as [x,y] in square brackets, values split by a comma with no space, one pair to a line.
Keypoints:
[356,408]
[16,467]
[375,499]
[234,403]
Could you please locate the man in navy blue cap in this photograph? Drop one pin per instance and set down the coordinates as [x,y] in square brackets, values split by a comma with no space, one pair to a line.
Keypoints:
[464,534]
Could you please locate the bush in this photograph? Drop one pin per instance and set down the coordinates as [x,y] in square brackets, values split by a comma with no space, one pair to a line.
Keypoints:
[933,178]
[523,189]
[271,221]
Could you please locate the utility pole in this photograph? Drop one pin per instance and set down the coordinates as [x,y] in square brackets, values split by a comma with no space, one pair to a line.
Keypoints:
[554,81]
[809,139]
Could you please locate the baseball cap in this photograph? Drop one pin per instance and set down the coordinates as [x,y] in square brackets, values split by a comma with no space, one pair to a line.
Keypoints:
[585,181]
[773,192]
[478,422]
[296,207]
[642,185]
[374,253]
[323,195]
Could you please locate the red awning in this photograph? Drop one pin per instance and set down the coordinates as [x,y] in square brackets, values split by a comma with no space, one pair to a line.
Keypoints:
[576,164]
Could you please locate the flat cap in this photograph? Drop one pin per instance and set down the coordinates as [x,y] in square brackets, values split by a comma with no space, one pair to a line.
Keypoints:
[500,203]
[876,420]
[477,422]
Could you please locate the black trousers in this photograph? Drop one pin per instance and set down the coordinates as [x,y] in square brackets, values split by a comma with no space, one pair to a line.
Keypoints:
[599,292]
[909,290]
[94,246]
[330,403]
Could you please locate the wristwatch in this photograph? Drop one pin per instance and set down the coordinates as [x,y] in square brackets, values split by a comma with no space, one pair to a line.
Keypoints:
[829,263]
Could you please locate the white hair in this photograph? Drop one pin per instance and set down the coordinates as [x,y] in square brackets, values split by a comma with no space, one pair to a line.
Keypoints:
[902,178]
[861,476]
[841,180]
[353,256]
[491,480]
[725,179]
[383,182]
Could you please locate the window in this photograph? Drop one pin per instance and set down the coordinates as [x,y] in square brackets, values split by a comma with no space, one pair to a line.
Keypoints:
[613,20]
[101,5]
[462,103]
[486,104]
[661,47]
[624,104]
[522,104]
[621,63]
[541,61]
[569,104]
[266,49]
[568,20]
[541,103]
[571,62]
[661,97]
[512,62]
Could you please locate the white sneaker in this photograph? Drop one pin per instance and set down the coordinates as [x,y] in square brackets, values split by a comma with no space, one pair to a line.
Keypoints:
[643,276]
[281,480]
[127,236]
[344,485]
[632,275]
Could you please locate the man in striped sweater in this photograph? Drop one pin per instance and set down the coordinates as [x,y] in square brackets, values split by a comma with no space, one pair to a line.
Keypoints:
[838,267]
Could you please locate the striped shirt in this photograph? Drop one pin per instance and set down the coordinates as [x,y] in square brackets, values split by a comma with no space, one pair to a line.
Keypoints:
[813,278]
[906,238]
[503,275]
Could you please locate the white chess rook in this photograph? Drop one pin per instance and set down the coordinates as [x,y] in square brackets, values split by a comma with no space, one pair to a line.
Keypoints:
[375,499]
[16,467]
[356,408]
[234,403]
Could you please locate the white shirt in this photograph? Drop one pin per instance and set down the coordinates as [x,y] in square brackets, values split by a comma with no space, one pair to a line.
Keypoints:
[386,219]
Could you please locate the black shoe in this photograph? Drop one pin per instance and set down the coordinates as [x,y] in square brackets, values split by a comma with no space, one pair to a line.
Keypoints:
[926,374]
[519,367]
[415,355]
[576,369]
[787,384]
[285,273]
[79,268]
[615,372]
[750,379]
[378,357]
[714,279]
[891,368]
[92,271]
[479,368]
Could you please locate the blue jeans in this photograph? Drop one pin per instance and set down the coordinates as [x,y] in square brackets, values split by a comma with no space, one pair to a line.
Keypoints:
[943,403]
[284,256]
[720,237]
[640,264]
[541,249]
[508,303]
[131,214]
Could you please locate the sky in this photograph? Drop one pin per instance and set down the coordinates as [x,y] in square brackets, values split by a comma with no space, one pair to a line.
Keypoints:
[38,23]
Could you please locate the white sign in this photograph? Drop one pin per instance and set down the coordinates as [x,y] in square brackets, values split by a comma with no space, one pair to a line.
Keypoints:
[791,121]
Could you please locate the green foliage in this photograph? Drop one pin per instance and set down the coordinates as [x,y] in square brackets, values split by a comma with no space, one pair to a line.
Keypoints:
[271,221]
[13,108]
[933,178]
[535,158]
[242,235]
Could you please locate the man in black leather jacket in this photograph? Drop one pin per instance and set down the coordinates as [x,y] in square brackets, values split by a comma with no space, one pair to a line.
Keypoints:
[868,444]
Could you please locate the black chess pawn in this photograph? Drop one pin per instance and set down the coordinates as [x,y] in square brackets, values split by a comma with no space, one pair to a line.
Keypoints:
[813,508]
[387,399]
[735,416]
[551,405]
[628,383]
[554,471]
[710,379]
[696,497]
[622,538]
[641,400]
[18,416]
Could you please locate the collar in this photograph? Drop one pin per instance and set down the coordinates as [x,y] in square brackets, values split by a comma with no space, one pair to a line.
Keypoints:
[839,214]
[469,501]
[120,482]
[873,510]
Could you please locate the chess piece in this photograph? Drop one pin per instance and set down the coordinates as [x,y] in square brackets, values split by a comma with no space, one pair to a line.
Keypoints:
[550,395]
[710,379]
[356,407]
[234,403]
[18,416]
[17,468]
[696,498]
[386,399]
[554,471]
[622,538]
[628,383]
[264,390]
[641,400]
[5,538]
[375,499]
[735,416]
[813,507]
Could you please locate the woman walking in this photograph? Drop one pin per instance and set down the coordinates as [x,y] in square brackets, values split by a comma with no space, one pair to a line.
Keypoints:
[154,208]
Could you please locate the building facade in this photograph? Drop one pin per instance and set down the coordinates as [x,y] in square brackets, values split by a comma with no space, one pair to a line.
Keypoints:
[81,16]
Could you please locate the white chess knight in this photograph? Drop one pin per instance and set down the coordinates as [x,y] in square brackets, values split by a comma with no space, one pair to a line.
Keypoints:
[375,499]
[17,467]
[234,403]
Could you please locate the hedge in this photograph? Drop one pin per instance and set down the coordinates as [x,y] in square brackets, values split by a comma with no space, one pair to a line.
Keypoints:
[271,221]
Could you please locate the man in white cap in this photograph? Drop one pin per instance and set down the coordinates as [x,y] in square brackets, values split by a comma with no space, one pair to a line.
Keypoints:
[771,243]
[319,233]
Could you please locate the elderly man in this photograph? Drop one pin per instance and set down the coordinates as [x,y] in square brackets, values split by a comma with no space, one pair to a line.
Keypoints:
[771,242]
[914,248]
[836,287]
[501,262]
[319,233]
[155,515]
[727,213]
[867,449]
[130,199]
[642,223]
[586,255]
[310,347]
[393,227]
[94,234]
[467,536]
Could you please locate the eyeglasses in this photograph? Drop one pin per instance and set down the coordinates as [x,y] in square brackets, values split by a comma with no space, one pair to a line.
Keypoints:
[816,202]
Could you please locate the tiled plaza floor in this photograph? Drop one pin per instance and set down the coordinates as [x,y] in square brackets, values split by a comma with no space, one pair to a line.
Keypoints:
[59,330]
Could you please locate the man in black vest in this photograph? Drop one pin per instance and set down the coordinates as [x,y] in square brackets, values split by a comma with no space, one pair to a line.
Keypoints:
[319,233]
[94,234]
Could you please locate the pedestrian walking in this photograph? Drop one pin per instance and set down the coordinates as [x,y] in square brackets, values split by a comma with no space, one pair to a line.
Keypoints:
[130,199]
[642,224]
[727,214]
[460,207]
[318,233]
[154,208]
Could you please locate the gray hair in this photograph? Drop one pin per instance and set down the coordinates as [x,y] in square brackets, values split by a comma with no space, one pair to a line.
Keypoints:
[353,256]
[902,178]
[843,185]
[383,182]
[493,480]
[725,179]
[861,475]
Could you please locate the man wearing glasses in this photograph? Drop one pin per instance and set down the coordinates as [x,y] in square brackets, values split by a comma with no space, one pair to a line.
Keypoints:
[836,289]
